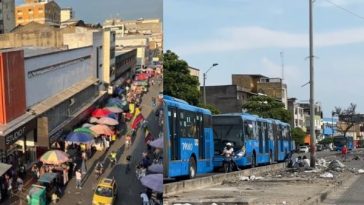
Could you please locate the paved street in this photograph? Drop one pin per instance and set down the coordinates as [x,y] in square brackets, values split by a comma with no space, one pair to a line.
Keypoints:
[351,192]
[128,185]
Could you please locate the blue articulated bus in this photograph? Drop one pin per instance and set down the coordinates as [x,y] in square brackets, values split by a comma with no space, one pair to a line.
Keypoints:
[188,139]
[256,140]
[339,141]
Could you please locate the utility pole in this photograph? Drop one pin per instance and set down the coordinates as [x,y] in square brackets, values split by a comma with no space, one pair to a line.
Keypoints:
[282,62]
[204,80]
[312,100]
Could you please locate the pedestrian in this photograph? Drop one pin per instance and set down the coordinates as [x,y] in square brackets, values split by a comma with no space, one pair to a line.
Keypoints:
[84,156]
[306,162]
[22,171]
[78,179]
[344,152]
[145,198]
[128,159]
[19,183]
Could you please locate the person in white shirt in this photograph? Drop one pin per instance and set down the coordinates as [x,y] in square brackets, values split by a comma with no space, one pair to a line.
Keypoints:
[145,198]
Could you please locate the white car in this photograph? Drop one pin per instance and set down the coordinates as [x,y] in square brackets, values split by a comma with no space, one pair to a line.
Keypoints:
[304,149]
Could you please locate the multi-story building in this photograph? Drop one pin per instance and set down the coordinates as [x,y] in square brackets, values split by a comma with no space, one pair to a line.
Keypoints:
[67,14]
[318,116]
[49,92]
[297,114]
[140,43]
[194,72]
[41,11]
[7,16]
[272,87]
[227,98]
[108,47]
[43,35]
[146,35]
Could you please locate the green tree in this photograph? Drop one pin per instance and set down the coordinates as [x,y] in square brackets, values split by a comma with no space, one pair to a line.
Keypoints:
[267,107]
[214,110]
[326,141]
[177,81]
[298,135]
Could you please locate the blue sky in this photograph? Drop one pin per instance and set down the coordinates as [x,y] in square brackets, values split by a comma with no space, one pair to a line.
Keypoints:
[246,36]
[95,11]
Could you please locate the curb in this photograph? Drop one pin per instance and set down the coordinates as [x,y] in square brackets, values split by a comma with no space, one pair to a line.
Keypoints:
[319,198]
[171,189]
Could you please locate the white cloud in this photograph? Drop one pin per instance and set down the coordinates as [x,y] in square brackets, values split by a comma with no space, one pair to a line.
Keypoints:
[245,38]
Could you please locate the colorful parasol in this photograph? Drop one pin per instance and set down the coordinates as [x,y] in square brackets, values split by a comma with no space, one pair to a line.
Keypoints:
[100,112]
[79,138]
[102,130]
[55,157]
[86,130]
[107,121]
[114,109]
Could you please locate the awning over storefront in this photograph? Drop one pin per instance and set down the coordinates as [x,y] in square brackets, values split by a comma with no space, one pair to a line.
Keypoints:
[4,168]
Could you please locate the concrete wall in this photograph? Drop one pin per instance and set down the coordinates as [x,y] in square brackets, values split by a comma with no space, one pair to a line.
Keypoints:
[66,14]
[55,72]
[108,48]
[97,54]
[223,97]
[8,15]
[83,37]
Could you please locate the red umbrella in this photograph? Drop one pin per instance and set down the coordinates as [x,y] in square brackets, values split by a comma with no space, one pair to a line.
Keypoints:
[100,112]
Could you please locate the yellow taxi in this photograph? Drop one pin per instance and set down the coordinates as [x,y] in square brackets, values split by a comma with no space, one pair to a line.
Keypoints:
[105,192]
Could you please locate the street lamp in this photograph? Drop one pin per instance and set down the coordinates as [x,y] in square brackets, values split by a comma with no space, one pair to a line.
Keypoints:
[204,79]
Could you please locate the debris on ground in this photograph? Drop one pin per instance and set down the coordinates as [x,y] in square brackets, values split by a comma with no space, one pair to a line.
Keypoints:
[336,165]
[356,157]
[360,171]
[321,162]
[327,175]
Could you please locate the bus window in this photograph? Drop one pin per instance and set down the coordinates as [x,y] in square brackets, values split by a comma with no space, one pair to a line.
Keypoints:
[191,125]
[182,124]
[249,129]
[270,131]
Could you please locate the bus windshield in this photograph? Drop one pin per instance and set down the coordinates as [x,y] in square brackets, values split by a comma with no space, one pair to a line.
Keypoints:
[227,133]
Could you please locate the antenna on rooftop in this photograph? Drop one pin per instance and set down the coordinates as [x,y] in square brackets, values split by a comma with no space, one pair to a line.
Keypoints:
[282,62]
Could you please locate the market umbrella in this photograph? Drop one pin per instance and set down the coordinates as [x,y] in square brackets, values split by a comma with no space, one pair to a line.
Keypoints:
[85,130]
[100,112]
[153,181]
[114,109]
[158,143]
[88,124]
[114,100]
[55,157]
[114,104]
[107,121]
[79,138]
[113,116]
[102,130]
[156,168]
[93,119]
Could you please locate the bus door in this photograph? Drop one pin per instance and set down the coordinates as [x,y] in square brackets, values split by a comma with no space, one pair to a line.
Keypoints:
[200,135]
[266,137]
[173,135]
[260,135]
[275,139]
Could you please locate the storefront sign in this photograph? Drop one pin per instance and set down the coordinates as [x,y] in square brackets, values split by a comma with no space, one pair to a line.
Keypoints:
[20,132]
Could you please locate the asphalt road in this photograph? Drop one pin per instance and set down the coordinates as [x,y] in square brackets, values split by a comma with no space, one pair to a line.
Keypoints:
[352,192]
[129,186]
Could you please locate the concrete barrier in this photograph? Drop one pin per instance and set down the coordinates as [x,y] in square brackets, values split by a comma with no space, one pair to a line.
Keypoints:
[197,183]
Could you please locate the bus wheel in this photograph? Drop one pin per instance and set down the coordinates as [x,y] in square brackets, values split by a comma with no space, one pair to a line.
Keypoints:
[192,168]
[254,161]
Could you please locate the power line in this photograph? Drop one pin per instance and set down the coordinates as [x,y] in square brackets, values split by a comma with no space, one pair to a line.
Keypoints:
[347,10]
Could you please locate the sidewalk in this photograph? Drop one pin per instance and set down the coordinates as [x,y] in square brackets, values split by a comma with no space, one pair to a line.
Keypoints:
[72,195]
